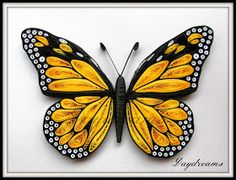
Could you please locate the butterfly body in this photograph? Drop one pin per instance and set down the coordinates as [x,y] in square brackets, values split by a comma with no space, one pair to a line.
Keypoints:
[159,125]
[120,106]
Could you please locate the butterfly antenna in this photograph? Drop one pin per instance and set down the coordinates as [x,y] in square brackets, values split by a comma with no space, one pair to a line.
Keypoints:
[135,47]
[103,47]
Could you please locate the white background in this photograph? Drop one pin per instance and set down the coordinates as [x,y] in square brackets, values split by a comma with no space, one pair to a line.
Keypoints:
[118,29]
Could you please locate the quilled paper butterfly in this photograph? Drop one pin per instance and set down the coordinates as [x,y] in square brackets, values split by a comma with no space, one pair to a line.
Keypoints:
[160,125]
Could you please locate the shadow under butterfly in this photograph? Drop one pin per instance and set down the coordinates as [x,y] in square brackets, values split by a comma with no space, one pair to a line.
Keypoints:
[160,125]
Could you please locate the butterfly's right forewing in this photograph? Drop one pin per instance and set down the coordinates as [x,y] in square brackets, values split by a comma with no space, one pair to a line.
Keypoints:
[175,67]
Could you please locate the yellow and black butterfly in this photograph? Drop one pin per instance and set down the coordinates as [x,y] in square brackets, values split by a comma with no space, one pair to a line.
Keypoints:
[159,125]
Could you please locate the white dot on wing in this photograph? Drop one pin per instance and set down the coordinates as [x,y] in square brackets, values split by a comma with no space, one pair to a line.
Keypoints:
[210,31]
[62,40]
[42,71]
[79,54]
[34,32]
[26,40]
[31,45]
[196,56]
[79,155]
[210,37]
[205,28]
[188,32]
[25,47]
[204,34]
[194,79]
[206,52]
[208,42]
[199,62]
[170,43]
[199,30]
[24,35]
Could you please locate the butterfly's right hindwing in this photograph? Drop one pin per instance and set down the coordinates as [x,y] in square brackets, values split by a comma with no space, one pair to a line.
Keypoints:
[63,67]
[161,128]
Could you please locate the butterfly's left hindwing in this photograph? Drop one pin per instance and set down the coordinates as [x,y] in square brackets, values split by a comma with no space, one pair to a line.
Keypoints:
[63,67]
[76,127]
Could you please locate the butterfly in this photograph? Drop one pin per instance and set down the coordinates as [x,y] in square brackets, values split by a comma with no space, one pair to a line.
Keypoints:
[159,124]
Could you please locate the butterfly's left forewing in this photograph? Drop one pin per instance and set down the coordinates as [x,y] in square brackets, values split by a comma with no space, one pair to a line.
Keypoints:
[161,126]
[77,124]
[64,68]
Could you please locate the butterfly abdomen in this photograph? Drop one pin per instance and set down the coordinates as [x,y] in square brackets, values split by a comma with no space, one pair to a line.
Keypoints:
[120,106]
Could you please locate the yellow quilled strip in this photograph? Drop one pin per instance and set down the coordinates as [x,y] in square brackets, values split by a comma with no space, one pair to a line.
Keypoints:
[174,141]
[152,116]
[63,114]
[64,139]
[79,139]
[159,138]
[180,48]
[171,48]
[134,133]
[150,101]
[71,104]
[141,124]
[61,73]
[88,72]
[194,36]
[65,47]
[181,60]
[98,121]
[55,61]
[42,40]
[88,113]
[173,127]
[174,113]
[178,72]
[65,127]
[168,104]
[165,86]
[86,99]
[73,85]
[59,51]
[195,41]
[39,44]
[151,73]
[97,140]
